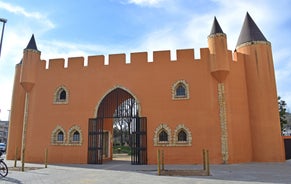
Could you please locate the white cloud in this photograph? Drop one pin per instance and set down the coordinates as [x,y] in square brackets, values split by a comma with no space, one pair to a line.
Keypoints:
[11,54]
[21,11]
[145,2]
[268,15]
[16,37]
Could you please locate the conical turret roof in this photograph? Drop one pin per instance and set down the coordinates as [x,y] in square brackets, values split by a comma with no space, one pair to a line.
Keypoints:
[31,44]
[215,27]
[250,32]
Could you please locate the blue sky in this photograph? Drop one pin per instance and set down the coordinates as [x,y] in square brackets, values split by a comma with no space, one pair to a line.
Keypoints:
[69,28]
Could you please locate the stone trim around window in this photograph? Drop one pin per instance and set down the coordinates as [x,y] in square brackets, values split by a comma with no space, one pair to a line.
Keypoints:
[158,130]
[57,99]
[188,141]
[68,138]
[172,139]
[72,130]
[54,136]
[174,88]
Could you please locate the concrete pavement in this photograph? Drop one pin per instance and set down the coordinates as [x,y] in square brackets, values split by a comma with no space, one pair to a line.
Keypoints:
[122,172]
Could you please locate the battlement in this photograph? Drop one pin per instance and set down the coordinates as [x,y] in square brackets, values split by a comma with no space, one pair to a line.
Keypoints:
[122,59]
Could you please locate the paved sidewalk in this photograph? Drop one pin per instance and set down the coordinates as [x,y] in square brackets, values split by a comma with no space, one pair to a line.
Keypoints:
[124,173]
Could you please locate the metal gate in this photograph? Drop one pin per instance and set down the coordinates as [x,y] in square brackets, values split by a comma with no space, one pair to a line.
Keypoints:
[95,141]
[138,138]
[139,142]
[287,144]
[118,104]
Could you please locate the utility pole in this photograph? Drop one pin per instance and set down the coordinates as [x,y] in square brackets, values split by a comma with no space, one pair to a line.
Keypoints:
[3,21]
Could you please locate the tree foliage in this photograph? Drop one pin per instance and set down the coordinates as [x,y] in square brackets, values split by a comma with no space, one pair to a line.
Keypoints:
[282,112]
[123,118]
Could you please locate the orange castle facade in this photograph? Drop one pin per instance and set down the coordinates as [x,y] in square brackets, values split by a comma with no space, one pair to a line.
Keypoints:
[225,102]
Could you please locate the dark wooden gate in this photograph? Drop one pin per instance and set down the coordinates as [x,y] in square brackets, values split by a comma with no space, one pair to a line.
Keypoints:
[95,141]
[139,141]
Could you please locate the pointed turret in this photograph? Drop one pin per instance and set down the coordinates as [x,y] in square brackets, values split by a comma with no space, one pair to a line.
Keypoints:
[217,43]
[30,63]
[215,27]
[262,93]
[250,32]
[32,44]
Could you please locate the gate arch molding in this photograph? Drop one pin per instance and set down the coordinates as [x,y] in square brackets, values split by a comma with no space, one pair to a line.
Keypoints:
[105,111]
[112,89]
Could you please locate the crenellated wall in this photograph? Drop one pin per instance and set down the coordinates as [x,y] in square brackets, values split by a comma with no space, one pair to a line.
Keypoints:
[150,82]
[136,58]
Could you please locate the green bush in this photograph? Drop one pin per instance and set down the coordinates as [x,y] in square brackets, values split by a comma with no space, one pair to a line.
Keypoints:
[121,149]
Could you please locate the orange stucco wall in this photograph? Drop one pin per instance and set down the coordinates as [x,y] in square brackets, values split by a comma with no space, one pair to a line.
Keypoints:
[250,135]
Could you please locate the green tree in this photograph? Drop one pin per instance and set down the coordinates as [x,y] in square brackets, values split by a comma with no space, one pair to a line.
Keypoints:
[282,112]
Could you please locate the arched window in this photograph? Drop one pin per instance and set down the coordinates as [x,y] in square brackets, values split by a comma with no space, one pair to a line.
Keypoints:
[75,135]
[61,95]
[182,136]
[180,90]
[58,136]
[163,136]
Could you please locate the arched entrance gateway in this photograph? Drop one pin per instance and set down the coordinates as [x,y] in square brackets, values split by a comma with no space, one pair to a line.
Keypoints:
[117,105]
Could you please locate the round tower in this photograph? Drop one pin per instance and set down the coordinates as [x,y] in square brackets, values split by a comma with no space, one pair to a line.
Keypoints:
[30,64]
[219,68]
[217,43]
[30,61]
[262,95]
[16,116]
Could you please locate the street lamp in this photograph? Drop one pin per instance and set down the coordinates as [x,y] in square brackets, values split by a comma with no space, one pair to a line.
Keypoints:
[4,21]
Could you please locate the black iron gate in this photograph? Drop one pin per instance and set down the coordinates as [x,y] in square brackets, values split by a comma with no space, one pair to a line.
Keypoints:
[139,141]
[287,143]
[95,141]
[121,106]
